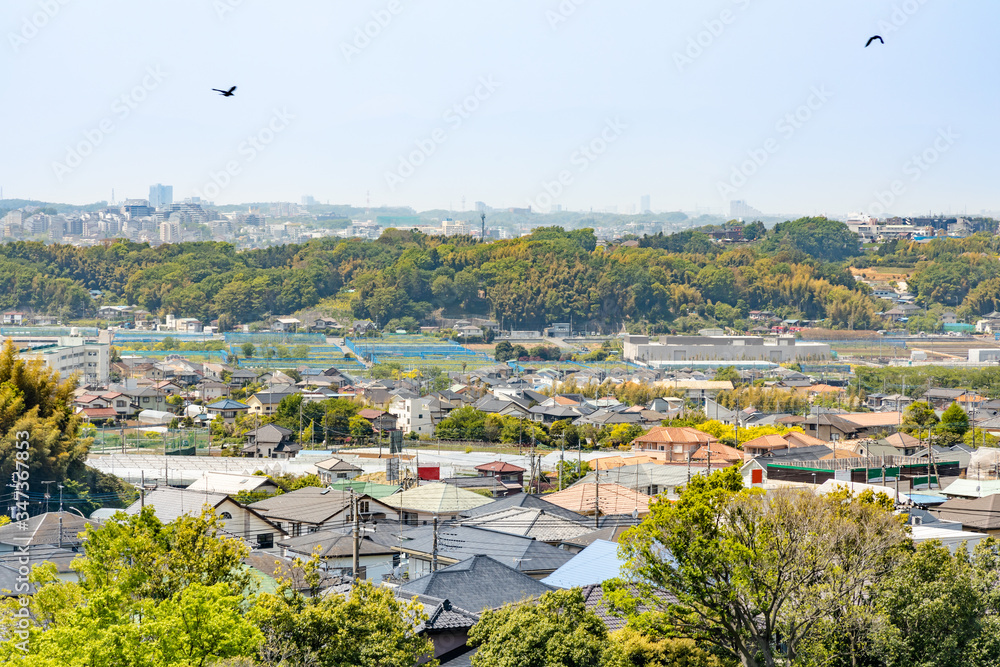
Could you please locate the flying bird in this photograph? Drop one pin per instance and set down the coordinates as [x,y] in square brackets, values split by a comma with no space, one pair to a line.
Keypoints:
[225,93]
[873,39]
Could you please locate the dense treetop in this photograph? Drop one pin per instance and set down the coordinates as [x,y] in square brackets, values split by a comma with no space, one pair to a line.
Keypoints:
[796,269]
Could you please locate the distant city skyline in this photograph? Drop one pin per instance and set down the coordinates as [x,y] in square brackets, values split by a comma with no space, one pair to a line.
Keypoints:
[560,105]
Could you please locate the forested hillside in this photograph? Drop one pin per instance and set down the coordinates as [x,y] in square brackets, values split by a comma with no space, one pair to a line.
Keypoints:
[798,269]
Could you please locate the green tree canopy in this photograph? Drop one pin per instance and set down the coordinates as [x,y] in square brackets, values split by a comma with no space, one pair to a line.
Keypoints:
[557,630]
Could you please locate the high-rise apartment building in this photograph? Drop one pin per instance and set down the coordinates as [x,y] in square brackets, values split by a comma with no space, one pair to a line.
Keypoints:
[161,195]
[644,204]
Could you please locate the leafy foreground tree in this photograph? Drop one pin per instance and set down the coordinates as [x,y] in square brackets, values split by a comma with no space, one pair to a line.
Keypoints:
[757,575]
[178,595]
[368,628]
[556,631]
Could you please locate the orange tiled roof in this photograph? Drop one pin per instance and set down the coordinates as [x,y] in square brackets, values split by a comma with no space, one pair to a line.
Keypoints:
[873,418]
[613,499]
[772,441]
[675,435]
[719,452]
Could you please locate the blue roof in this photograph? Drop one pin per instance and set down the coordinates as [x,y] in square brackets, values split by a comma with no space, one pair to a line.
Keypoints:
[921,499]
[594,565]
[228,404]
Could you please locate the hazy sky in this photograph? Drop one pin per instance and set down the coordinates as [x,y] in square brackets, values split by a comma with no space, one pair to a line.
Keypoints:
[687,102]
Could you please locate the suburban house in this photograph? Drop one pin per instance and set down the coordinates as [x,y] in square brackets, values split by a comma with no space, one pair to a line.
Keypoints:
[286,324]
[237,520]
[232,483]
[977,514]
[333,470]
[537,524]
[422,504]
[531,557]
[605,498]
[478,583]
[677,443]
[311,509]
[211,391]
[335,550]
[415,415]
[508,473]
[148,398]
[226,408]
[265,403]
[270,442]
[381,420]
[241,377]
[830,426]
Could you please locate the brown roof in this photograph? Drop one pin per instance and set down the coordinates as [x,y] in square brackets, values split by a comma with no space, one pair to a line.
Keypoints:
[369,413]
[767,442]
[499,467]
[719,451]
[675,435]
[982,513]
[100,413]
[902,440]
[868,419]
[796,439]
[613,499]
[562,400]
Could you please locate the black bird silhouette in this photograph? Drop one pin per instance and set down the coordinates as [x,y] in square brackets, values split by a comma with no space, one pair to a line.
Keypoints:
[225,93]
[872,40]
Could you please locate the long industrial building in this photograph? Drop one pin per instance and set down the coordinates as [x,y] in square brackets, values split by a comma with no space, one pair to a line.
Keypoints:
[672,349]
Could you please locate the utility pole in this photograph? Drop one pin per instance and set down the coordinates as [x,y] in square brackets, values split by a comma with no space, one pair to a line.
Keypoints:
[47,496]
[434,552]
[356,542]
[60,498]
[597,500]
[562,453]
[142,488]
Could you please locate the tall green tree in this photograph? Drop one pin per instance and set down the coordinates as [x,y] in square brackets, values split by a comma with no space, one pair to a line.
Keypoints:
[370,627]
[755,574]
[557,630]
[954,424]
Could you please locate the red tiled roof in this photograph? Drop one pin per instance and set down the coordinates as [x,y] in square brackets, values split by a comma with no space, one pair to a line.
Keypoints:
[674,435]
[499,466]
[100,413]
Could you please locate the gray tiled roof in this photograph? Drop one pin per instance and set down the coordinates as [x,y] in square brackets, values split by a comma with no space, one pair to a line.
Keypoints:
[307,505]
[536,523]
[477,583]
[528,500]
[169,503]
[333,544]
[459,542]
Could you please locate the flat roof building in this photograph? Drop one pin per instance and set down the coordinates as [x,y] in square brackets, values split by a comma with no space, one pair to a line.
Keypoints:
[670,349]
